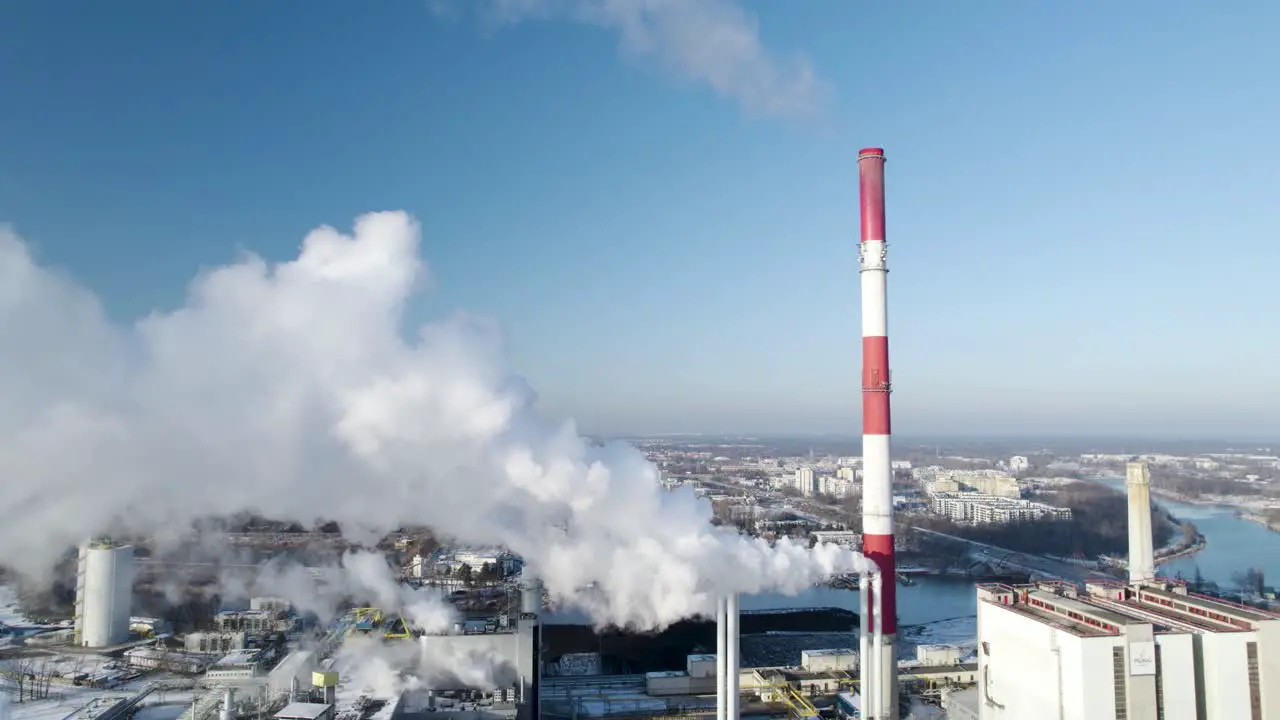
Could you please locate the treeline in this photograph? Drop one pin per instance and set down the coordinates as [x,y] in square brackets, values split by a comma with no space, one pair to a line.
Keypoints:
[1194,486]
[1099,525]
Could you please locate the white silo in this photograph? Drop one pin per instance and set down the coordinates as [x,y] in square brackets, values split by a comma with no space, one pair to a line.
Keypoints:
[104,594]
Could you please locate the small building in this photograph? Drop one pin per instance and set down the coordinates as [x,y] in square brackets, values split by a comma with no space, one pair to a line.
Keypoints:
[237,665]
[214,642]
[253,622]
[305,711]
[701,666]
[270,604]
[153,658]
[829,660]
[934,655]
[849,705]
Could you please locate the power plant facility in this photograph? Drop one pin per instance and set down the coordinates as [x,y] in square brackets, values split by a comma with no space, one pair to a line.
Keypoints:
[104,594]
[1143,650]
[270,619]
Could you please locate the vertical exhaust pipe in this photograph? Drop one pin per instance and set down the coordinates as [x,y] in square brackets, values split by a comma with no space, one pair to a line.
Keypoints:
[228,704]
[864,643]
[734,664]
[722,658]
[881,676]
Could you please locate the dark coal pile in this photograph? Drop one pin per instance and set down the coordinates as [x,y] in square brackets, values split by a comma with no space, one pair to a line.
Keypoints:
[764,635]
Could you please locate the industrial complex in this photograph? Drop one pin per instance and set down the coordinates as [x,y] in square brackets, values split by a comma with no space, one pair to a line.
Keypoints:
[1143,650]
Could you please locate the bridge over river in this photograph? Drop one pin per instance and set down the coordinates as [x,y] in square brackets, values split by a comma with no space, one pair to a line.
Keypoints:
[1004,560]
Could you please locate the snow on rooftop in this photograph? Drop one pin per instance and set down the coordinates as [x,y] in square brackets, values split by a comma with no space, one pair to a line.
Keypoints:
[303,711]
[239,657]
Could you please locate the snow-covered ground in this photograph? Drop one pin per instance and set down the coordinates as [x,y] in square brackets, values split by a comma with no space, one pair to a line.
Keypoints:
[65,697]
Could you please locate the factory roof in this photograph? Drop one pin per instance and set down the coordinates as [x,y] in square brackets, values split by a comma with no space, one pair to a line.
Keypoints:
[1210,607]
[1192,612]
[304,711]
[239,657]
[1074,616]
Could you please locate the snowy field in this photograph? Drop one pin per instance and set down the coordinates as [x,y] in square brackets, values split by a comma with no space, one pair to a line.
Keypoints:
[64,697]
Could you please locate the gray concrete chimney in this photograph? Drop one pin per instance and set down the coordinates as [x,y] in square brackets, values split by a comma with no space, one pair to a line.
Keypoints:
[1142,566]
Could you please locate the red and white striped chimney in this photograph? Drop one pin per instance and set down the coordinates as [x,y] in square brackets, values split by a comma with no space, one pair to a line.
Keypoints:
[877,469]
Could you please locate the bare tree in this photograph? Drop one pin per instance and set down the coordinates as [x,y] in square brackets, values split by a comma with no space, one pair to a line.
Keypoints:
[1251,580]
[20,670]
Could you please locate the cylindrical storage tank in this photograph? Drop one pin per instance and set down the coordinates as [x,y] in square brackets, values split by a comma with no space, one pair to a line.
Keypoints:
[531,597]
[108,595]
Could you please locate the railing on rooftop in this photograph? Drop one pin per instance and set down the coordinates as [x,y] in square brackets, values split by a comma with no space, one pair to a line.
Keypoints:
[1232,603]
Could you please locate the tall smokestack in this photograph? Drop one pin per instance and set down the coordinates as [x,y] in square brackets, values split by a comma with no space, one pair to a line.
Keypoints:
[1142,557]
[877,470]
[722,658]
[733,666]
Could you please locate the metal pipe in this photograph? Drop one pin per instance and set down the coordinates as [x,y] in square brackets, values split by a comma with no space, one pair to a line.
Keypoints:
[864,640]
[886,677]
[734,664]
[722,657]
[877,467]
[228,704]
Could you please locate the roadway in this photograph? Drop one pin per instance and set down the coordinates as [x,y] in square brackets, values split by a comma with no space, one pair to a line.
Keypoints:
[1002,559]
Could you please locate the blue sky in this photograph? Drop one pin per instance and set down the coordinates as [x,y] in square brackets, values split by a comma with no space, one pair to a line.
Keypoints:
[1083,198]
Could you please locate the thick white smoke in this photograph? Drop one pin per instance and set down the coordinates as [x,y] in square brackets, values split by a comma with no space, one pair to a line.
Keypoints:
[292,389]
[362,577]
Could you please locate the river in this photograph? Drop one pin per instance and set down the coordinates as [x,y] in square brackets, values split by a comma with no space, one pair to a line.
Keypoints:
[1232,545]
[944,610]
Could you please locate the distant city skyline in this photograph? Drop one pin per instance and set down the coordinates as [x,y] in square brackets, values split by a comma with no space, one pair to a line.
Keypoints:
[1080,198]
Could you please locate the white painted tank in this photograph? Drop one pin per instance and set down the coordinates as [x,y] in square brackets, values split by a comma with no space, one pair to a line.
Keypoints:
[531,597]
[107,595]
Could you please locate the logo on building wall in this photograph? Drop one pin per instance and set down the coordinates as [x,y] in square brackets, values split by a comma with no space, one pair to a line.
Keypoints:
[1142,658]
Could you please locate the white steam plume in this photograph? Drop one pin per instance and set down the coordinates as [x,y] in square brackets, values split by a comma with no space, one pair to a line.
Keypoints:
[386,669]
[362,576]
[715,43]
[291,389]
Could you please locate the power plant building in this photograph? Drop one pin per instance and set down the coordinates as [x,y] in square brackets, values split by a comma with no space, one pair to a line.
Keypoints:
[104,594]
[1145,650]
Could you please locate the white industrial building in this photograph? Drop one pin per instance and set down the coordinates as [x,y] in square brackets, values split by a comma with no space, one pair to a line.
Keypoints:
[104,594]
[838,537]
[253,622]
[1148,650]
[214,642]
[829,660]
